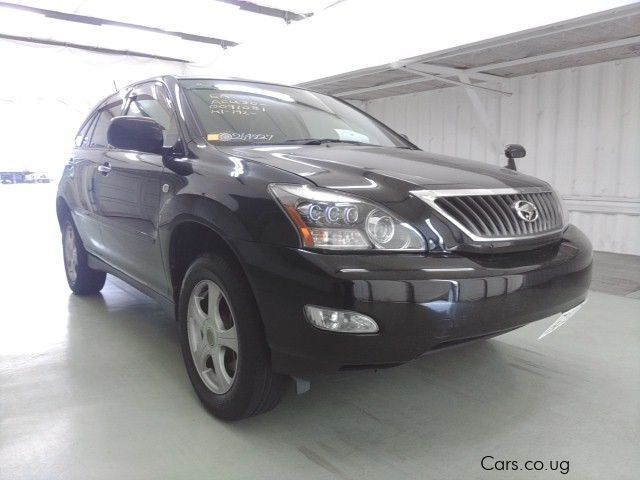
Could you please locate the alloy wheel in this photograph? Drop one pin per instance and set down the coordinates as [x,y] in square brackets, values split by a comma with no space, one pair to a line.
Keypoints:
[70,253]
[213,339]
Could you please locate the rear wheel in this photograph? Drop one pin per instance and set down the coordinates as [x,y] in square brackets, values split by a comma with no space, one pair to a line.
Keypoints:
[223,344]
[82,279]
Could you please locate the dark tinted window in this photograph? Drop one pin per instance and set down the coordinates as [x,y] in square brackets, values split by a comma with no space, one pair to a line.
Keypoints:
[151,101]
[111,109]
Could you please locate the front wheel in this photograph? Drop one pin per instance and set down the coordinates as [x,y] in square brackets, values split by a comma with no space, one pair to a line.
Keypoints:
[82,279]
[223,344]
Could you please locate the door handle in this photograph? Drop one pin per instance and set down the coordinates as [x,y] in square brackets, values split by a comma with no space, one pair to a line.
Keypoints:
[104,169]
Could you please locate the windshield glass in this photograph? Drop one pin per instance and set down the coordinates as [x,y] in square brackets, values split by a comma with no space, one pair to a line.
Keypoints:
[243,113]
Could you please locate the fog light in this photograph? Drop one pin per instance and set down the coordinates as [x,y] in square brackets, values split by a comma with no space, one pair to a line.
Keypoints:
[340,320]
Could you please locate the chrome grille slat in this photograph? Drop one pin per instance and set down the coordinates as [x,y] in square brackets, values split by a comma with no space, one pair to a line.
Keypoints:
[533,227]
[544,210]
[451,207]
[508,230]
[528,226]
[549,219]
[506,202]
[490,214]
[556,206]
[525,226]
[469,208]
[504,208]
[547,203]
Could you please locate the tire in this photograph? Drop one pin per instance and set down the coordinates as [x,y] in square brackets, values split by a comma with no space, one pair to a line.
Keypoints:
[82,279]
[217,314]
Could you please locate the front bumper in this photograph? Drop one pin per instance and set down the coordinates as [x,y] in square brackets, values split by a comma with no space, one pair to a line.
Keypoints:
[421,302]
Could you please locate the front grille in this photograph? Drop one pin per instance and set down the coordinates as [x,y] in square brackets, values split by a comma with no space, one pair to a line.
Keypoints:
[492,215]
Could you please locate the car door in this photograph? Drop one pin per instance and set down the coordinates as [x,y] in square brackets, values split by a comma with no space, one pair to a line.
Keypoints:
[129,191]
[82,170]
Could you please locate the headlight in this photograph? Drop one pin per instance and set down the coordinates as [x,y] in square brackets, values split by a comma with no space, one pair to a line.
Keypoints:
[333,220]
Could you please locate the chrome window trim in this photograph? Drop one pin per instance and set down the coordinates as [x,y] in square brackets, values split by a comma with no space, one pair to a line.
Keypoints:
[430,197]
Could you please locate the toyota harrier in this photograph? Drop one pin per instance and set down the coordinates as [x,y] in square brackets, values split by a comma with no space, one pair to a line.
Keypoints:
[290,233]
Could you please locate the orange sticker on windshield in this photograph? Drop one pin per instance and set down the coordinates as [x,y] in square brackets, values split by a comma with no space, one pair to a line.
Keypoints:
[238,136]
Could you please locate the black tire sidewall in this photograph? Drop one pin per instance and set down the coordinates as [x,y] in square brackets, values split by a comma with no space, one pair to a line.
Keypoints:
[252,365]
[88,281]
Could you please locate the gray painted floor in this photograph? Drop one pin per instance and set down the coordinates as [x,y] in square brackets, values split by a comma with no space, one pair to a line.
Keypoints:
[617,274]
[95,388]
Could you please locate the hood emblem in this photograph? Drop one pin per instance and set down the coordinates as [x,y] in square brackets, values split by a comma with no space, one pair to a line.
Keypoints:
[525,210]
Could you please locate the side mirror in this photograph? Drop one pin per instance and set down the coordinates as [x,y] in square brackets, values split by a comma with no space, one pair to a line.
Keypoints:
[511,151]
[136,133]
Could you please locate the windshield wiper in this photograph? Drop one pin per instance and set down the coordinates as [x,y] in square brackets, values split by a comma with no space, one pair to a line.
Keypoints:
[320,141]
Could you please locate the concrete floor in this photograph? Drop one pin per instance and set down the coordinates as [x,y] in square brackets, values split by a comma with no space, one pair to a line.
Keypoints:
[95,388]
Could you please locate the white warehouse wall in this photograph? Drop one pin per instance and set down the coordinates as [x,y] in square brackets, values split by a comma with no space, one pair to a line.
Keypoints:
[580,126]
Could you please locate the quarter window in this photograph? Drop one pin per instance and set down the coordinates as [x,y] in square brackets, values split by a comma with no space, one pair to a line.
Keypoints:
[106,113]
[83,137]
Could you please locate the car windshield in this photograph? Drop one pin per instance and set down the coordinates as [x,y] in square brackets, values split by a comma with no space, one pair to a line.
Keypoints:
[243,113]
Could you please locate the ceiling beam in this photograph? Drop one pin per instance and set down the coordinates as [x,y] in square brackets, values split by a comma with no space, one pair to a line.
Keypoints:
[345,76]
[561,53]
[73,17]
[401,83]
[423,77]
[89,48]
[467,83]
[492,130]
[426,68]
[451,71]
[252,7]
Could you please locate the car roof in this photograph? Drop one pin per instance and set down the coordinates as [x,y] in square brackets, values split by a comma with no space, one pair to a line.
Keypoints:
[177,78]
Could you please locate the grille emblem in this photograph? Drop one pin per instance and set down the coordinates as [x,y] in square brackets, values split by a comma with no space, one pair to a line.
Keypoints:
[525,210]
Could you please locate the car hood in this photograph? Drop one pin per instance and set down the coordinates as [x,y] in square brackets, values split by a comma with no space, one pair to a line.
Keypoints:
[380,171]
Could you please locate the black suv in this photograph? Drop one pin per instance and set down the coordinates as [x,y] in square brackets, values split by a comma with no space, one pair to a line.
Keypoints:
[291,233]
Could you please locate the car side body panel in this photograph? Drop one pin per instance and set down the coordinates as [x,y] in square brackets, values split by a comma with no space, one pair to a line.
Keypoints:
[128,205]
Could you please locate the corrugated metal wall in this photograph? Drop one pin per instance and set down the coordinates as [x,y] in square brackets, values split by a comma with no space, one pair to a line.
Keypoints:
[580,126]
